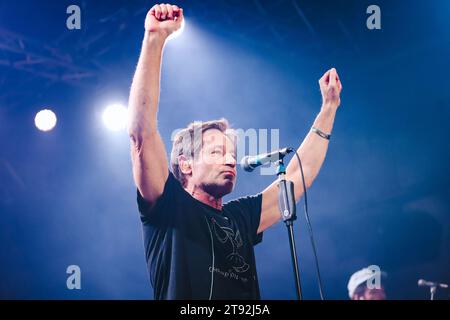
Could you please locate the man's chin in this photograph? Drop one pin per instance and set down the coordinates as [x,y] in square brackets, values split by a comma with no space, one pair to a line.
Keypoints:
[220,188]
[225,188]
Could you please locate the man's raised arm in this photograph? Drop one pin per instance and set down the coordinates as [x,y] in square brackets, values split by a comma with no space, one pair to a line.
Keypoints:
[312,151]
[148,154]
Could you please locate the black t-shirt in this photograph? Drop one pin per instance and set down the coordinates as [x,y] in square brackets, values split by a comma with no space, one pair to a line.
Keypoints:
[185,240]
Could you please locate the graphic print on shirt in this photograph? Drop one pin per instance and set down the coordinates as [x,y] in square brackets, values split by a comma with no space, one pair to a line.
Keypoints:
[228,236]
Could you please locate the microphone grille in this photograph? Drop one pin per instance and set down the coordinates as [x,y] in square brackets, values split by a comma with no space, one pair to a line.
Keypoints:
[245,166]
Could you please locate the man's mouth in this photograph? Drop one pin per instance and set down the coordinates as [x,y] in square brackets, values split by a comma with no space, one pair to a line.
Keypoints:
[231,173]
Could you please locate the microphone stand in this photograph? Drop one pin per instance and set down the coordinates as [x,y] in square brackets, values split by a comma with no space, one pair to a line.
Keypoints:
[433,286]
[286,203]
[433,290]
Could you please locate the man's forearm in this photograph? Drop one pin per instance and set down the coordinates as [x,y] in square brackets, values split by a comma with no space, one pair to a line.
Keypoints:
[312,152]
[145,89]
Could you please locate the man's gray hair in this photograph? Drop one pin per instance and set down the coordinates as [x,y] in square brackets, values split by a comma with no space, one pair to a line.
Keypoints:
[188,142]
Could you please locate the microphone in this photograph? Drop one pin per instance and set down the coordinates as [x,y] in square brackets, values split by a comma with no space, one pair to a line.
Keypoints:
[250,163]
[424,283]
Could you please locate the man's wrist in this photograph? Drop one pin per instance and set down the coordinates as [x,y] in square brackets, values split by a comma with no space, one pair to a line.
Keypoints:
[329,107]
[154,37]
[327,111]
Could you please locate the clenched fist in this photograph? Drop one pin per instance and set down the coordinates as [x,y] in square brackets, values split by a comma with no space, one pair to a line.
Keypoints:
[164,19]
[330,87]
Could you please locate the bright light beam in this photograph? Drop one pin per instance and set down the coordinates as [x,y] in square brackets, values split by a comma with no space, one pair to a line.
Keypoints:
[115,117]
[45,120]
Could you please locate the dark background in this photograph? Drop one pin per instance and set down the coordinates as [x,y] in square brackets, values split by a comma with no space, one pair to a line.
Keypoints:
[67,196]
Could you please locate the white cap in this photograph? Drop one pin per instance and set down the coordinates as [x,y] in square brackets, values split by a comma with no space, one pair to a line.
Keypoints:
[361,276]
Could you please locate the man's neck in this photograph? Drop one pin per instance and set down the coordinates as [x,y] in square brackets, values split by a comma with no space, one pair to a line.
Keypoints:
[204,197]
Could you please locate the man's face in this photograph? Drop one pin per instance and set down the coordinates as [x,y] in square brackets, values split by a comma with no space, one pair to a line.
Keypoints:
[214,169]
[372,294]
[375,294]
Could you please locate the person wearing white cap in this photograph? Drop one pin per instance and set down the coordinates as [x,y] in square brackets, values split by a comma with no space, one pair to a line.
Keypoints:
[365,284]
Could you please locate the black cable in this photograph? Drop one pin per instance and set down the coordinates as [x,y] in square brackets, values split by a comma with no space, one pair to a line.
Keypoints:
[308,222]
[212,264]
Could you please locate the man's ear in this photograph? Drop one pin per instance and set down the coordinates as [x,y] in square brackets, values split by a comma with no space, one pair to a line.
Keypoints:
[185,165]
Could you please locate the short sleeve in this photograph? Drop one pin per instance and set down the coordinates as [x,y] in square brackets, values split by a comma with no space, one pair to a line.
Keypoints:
[164,206]
[247,210]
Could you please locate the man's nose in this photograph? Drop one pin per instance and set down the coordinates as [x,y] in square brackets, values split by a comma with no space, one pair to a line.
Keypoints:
[230,160]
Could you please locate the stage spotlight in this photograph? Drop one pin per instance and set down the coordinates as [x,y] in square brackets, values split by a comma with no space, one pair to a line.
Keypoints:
[177,33]
[45,120]
[115,117]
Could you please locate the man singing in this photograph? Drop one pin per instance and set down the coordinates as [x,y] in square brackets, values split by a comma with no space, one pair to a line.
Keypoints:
[197,247]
